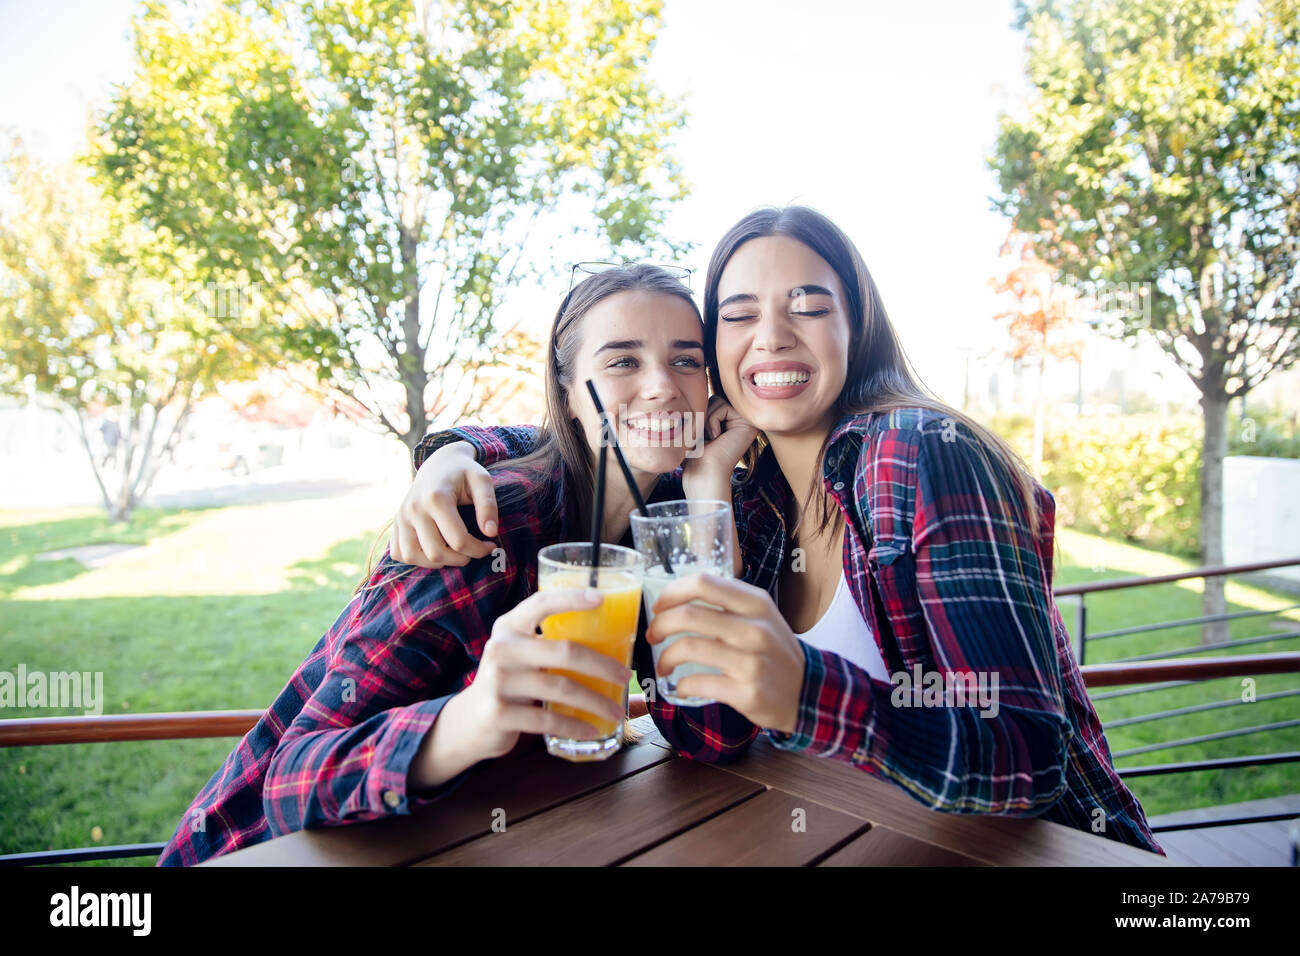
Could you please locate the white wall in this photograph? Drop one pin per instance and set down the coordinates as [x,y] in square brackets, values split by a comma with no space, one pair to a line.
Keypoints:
[1261,511]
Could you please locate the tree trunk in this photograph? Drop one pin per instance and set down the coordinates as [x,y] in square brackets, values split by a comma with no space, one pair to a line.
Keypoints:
[1214,405]
[411,361]
[94,465]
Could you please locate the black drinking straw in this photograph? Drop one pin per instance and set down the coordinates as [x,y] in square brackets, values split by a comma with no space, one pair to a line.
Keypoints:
[598,512]
[607,434]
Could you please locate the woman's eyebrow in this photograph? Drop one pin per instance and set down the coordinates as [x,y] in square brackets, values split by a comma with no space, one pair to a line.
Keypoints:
[622,344]
[808,290]
[637,343]
[742,297]
[797,291]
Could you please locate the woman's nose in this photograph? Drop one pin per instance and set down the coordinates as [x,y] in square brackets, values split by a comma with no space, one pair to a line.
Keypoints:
[773,333]
[657,382]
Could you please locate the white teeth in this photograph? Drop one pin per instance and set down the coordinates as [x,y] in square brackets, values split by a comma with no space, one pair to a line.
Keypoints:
[653,424]
[768,379]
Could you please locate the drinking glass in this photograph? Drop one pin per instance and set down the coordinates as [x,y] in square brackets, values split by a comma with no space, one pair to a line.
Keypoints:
[695,536]
[609,628]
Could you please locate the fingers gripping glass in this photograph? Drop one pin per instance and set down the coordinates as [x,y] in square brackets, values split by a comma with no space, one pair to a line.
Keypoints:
[581,270]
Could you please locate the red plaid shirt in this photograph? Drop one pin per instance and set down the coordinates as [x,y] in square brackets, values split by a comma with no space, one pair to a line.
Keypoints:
[336,745]
[940,563]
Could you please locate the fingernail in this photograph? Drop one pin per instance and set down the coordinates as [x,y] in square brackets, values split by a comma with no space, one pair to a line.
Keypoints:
[591,595]
[489,527]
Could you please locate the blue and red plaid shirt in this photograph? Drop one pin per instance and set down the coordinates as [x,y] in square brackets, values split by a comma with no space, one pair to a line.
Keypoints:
[939,559]
[336,745]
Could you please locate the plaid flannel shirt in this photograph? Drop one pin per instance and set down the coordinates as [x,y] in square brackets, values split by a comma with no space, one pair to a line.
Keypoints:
[336,745]
[942,568]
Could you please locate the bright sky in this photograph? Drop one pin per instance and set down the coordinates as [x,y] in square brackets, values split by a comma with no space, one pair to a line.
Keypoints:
[879,114]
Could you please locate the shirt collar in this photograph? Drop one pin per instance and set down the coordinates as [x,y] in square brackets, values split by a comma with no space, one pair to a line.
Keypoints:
[841,454]
[845,444]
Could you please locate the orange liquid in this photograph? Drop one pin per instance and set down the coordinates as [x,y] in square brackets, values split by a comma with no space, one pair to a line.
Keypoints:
[609,629]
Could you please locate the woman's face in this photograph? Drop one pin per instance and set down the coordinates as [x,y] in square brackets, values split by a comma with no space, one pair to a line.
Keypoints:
[644,352]
[782,336]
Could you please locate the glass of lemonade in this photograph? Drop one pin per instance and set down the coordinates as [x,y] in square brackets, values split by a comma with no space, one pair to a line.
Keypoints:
[609,628]
[695,534]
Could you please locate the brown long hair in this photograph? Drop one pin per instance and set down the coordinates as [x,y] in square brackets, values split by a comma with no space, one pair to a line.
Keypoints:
[880,377]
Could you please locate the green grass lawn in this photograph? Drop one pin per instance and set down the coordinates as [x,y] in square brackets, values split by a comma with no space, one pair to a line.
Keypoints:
[222,605]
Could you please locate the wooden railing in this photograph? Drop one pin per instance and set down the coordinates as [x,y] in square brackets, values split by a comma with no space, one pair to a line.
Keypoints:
[39,731]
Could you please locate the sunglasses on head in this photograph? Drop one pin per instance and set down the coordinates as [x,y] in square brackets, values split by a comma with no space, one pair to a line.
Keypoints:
[596,268]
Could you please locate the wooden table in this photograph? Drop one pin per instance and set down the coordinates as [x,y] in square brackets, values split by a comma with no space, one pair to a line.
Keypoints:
[649,806]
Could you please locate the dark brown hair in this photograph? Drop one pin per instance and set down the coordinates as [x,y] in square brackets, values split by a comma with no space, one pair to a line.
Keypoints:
[880,377]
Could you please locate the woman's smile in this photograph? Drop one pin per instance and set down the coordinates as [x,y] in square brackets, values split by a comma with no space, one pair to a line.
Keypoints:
[777,380]
[658,427]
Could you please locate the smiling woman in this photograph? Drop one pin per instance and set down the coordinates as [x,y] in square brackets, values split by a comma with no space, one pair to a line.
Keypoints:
[885,537]
[426,673]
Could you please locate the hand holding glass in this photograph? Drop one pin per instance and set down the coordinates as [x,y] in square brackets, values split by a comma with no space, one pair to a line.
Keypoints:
[695,536]
[609,629]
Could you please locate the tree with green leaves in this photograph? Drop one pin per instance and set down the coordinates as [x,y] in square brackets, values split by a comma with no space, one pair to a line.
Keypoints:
[1157,165]
[383,170]
[91,322]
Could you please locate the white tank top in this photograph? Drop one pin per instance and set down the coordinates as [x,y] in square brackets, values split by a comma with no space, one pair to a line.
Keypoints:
[843,631]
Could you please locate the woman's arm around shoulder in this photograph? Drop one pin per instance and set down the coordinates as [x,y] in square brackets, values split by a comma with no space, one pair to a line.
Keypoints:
[490,444]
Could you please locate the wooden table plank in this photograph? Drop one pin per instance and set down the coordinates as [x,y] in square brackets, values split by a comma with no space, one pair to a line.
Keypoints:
[611,824]
[523,783]
[881,846]
[999,840]
[763,831]
[1176,854]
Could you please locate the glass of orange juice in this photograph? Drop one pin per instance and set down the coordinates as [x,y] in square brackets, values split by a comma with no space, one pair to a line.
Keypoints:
[609,628]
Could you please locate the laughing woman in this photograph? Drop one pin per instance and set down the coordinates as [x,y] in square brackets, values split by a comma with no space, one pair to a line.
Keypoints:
[885,536]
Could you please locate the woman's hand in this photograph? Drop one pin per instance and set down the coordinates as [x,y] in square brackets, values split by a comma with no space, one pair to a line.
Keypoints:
[428,531]
[760,658]
[510,688]
[727,436]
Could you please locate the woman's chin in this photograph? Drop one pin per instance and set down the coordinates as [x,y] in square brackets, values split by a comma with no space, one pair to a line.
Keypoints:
[766,416]
[656,461]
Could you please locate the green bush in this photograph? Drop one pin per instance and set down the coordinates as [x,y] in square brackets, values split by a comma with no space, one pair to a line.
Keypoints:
[1264,434]
[1135,478]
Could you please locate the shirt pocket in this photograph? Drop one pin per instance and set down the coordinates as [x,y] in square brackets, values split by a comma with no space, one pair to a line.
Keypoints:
[893,567]
[884,554]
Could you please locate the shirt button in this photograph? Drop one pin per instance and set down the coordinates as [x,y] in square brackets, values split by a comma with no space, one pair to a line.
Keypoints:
[838,486]
[392,798]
